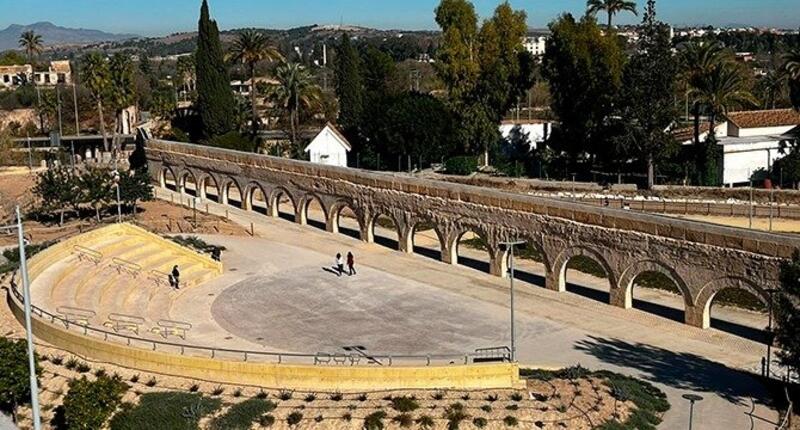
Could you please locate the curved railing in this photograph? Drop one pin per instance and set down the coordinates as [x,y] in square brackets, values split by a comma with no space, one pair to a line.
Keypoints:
[319,358]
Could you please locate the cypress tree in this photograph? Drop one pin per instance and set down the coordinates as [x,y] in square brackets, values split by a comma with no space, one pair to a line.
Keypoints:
[349,88]
[215,102]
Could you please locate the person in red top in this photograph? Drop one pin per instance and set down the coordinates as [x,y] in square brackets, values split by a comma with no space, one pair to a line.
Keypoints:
[351,264]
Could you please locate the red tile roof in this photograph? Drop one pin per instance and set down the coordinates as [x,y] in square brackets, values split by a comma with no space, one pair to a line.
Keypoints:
[764,118]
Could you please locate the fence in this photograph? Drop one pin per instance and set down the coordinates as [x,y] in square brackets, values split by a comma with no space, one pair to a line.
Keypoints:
[240,354]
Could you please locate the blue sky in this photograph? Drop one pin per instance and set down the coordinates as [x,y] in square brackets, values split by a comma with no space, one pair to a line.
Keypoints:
[158,17]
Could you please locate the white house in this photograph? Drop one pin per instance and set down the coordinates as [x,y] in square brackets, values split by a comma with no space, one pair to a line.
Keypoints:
[537,130]
[59,72]
[750,141]
[329,147]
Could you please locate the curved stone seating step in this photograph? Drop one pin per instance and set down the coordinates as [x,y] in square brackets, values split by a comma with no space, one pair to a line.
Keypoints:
[138,298]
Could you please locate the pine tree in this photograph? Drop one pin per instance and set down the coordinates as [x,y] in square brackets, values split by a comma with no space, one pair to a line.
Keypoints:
[349,88]
[215,102]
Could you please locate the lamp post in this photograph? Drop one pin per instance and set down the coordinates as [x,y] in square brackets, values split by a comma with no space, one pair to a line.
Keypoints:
[26,292]
[692,398]
[510,245]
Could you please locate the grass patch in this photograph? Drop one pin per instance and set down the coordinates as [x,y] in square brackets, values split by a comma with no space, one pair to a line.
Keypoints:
[241,416]
[651,403]
[195,243]
[174,411]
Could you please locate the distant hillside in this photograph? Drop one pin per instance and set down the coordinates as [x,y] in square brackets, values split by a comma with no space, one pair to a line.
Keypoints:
[53,35]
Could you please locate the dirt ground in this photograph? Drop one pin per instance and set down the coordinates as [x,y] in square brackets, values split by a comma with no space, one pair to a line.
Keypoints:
[781,225]
[157,216]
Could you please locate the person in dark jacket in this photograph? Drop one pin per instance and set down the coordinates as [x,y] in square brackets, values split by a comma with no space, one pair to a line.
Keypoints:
[351,264]
[176,274]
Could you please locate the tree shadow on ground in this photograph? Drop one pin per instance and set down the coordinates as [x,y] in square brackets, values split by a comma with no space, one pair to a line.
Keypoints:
[679,370]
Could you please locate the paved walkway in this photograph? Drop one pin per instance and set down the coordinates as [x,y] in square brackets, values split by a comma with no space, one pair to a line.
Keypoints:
[276,293]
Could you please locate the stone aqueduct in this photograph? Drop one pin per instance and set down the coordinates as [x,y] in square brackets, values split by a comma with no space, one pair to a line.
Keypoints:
[701,259]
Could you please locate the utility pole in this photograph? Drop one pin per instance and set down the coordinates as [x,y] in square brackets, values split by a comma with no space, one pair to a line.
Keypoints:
[58,97]
[510,245]
[75,103]
[26,293]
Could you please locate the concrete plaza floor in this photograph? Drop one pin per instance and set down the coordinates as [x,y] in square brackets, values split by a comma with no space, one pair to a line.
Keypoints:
[279,294]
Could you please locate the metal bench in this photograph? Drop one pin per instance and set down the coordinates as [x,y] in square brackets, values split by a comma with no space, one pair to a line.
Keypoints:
[492,355]
[77,316]
[119,322]
[168,328]
[87,254]
[159,278]
[122,266]
[322,358]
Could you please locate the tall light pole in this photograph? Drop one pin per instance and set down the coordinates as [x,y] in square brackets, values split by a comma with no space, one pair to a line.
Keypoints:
[692,398]
[510,246]
[26,292]
[75,104]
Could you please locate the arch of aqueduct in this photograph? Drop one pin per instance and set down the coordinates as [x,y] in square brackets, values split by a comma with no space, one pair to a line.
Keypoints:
[701,259]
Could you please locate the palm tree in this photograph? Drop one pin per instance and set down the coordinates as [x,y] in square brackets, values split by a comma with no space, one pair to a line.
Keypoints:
[723,88]
[698,59]
[792,67]
[31,43]
[121,92]
[771,86]
[250,48]
[97,78]
[294,91]
[612,7]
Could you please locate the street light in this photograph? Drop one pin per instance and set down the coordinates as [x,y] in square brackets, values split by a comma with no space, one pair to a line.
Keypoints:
[692,398]
[26,292]
[510,245]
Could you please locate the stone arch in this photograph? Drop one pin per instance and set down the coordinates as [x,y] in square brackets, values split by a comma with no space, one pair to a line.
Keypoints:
[373,220]
[699,314]
[203,183]
[335,215]
[225,192]
[249,202]
[622,295]
[163,178]
[527,258]
[494,261]
[557,279]
[275,201]
[413,229]
[305,203]
[182,183]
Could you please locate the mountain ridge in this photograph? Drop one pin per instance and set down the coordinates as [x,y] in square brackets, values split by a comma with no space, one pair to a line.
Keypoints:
[55,35]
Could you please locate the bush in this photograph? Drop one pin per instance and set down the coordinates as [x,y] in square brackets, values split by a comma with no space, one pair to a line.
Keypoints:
[285,395]
[425,422]
[173,410]
[516,396]
[480,422]
[242,415]
[454,414]
[462,165]
[233,140]
[510,421]
[405,404]
[486,408]
[88,404]
[12,255]
[294,418]
[266,421]
[650,402]
[15,387]
[491,398]
[310,397]
[374,421]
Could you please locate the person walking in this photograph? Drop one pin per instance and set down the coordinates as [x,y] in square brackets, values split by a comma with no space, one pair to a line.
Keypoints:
[351,264]
[339,264]
[176,274]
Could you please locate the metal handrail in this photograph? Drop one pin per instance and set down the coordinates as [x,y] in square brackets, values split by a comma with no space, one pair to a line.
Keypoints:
[132,267]
[95,256]
[214,352]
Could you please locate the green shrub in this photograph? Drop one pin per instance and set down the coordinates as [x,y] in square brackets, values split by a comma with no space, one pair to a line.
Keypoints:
[15,380]
[336,397]
[242,415]
[537,374]
[310,397]
[405,404]
[491,398]
[439,395]
[512,407]
[285,395]
[71,364]
[516,396]
[651,403]
[480,422]
[266,421]
[374,421]
[88,404]
[318,419]
[462,165]
[486,408]
[82,367]
[173,410]
[12,255]
[425,422]
[151,382]
[362,397]
[510,421]
[294,418]
[232,140]
[455,414]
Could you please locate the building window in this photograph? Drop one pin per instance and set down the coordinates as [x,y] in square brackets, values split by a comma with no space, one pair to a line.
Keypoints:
[62,78]
[6,78]
[47,78]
